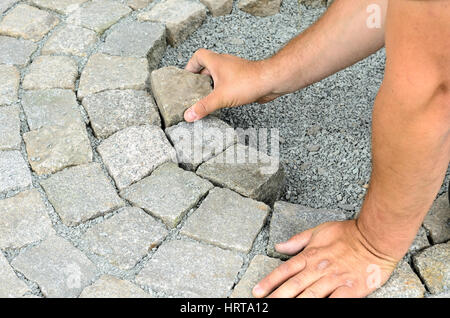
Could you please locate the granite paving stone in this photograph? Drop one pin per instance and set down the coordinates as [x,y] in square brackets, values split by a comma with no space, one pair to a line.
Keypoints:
[10,285]
[6,4]
[289,219]
[207,271]
[10,128]
[137,39]
[168,193]
[27,22]
[246,171]
[181,17]
[403,283]
[108,286]
[262,8]
[433,266]
[218,7]
[420,242]
[60,6]
[51,107]
[14,172]
[437,221]
[16,51]
[138,4]
[105,72]
[98,15]
[198,142]
[134,152]
[9,84]
[81,193]
[60,269]
[111,111]
[126,237]
[227,220]
[23,220]
[53,148]
[70,40]
[175,90]
[259,267]
[51,72]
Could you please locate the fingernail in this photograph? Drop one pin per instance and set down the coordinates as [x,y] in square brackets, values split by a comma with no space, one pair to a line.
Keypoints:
[257,290]
[190,115]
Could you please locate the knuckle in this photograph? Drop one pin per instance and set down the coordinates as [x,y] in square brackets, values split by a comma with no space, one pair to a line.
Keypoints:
[203,106]
[297,280]
[310,252]
[310,293]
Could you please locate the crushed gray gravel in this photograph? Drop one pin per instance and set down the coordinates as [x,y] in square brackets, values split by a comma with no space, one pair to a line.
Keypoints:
[325,129]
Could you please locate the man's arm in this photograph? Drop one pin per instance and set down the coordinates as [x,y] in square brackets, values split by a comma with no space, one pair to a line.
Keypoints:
[338,39]
[411,153]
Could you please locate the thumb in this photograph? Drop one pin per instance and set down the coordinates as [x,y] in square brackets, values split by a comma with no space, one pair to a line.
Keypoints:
[295,244]
[203,107]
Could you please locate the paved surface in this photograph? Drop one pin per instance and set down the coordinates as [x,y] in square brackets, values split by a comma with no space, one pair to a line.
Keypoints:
[106,192]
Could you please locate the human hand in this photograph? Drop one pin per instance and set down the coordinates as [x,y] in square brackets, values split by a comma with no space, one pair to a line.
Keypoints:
[334,260]
[236,82]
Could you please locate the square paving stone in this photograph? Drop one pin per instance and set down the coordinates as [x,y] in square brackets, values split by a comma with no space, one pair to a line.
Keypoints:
[16,51]
[246,171]
[218,7]
[433,266]
[181,17]
[14,172]
[261,8]
[10,285]
[57,267]
[23,220]
[168,193]
[105,72]
[198,142]
[9,84]
[260,267]
[54,148]
[190,269]
[6,4]
[125,238]
[227,220]
[60,6]
[51,107]
[138,39]
[81,193]
[403,283]
[98,15]
[111,111]
[437,221]
[27,22]
[175,90]
[289,219]
[10,128]
[109,286]
[138,4]
[134,152]
[51,72]
[71,40]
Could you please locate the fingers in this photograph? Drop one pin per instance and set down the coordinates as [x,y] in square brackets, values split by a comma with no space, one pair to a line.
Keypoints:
[322,288]
[201,59]
[279,275]
[296,284]
[346,291]
[203,107]
[295,244]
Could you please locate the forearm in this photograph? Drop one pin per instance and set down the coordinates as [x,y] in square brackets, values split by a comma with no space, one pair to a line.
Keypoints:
[410,126]
[338,39]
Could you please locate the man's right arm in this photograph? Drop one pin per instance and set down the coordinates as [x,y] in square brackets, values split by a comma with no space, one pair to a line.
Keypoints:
[348,32]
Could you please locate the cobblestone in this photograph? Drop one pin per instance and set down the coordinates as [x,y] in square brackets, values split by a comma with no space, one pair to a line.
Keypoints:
[262,8]
[16,51]
[218,7]
[111,111]
[60,6]
[81,193]
[14,172]
[9,84]
[168,193]
[109,286]
[134,152]
[10,128]
[437,221]
[70,40]
[227,220]
[10,285]
[126,237]
[206,271]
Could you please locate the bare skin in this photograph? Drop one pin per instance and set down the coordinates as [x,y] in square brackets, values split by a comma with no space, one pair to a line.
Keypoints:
[410,136]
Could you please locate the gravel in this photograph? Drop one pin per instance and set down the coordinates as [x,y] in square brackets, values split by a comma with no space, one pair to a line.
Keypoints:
[332,118]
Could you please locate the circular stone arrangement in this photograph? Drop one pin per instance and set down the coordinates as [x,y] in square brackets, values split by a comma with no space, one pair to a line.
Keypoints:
[106,192]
